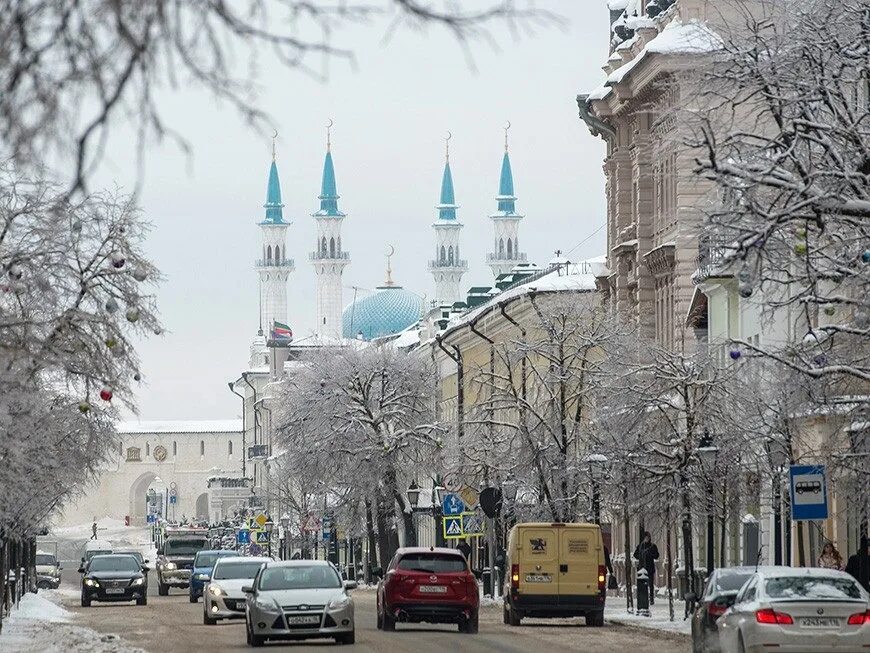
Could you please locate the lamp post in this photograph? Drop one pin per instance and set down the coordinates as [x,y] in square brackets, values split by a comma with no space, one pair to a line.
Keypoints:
[269,526]
[285,528]
[777,454]
[413,494]
[438,493]
[597,464]
[707,453]
[509,489]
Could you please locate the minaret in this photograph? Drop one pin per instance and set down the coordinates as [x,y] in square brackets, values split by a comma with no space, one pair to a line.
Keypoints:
[328,258]
[273,267]
[505,221]
[447,267]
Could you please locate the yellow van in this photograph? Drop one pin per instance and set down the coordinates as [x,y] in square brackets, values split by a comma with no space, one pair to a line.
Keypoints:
[555,570]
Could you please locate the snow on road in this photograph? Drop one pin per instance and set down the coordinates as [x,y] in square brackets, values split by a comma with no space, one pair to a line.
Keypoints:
[40,625]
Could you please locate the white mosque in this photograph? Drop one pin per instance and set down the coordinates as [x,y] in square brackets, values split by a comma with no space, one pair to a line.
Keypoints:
[391,308]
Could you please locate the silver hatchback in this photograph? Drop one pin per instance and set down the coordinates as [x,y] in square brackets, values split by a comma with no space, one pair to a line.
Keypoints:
[797,609]
[299,599]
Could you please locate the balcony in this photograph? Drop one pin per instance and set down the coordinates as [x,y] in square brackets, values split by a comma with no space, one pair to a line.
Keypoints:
[273,263]
[325,256]
[713,252]
[498,258]
[446,264]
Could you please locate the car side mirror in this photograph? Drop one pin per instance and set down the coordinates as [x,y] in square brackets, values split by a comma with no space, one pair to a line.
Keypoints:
[350,584]
[146,561]
[247,589]
[146,569]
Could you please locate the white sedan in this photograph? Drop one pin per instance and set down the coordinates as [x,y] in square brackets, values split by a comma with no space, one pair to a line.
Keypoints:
[791,609]
[223,597]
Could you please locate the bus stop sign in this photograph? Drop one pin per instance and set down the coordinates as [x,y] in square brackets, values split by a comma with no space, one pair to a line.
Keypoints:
[809,492]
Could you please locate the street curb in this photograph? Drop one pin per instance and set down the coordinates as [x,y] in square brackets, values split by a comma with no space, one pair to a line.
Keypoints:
[635,625]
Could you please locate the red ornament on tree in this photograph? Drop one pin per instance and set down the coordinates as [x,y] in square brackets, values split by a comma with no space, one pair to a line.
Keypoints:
[106,393]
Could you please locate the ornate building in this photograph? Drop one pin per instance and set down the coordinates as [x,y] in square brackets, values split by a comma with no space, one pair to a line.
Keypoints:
[447,267]
[505,253]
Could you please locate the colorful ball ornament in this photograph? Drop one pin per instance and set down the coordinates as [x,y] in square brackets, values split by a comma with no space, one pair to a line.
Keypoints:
[745,289]
[111,305]
[744,275]
[157,331]
[118,261]
[821,360]
[862,319]
[830,310]
[106,393]
[139,274]
[133,315]
[77,226]
[84,407]
[111,343]
[800,248]
[865,256]
[735,354]
[137,377]
[15,272]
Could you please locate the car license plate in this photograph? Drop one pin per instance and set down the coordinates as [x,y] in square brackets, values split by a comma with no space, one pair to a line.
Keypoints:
[433,589]
[820,622]
[114,590]
[538,578]
[304,620]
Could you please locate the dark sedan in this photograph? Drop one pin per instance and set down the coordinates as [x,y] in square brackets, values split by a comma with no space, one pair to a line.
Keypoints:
[719,593]
[113,578]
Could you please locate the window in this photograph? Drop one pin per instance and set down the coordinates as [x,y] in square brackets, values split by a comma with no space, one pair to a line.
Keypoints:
[202,447]
[450,255]
[443,258]
[501,248]
[277,253]
[269,253]
[812,587]
[174,448]
[323,246]
[332,247]
[433,563]
[147,449]
[230,448]
[510,249]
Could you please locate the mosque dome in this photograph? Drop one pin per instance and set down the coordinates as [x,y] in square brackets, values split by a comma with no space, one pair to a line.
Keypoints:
[389,310]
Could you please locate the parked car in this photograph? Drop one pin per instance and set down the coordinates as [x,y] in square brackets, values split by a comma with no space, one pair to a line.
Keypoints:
[432,585]
[113,577]
[719,593]
[797,609]
[47,570]
[556,570]
[299,599]
[223,597]
[203,564]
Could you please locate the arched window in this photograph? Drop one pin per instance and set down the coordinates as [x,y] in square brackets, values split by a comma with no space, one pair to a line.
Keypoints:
[450,255]
[174,448]
[147,448]
[501,248]
[323,246]
[510,249]
[277,253]
[269,253]
[230,448]
[443,255]
[339,245]
[332,247]
[202,447]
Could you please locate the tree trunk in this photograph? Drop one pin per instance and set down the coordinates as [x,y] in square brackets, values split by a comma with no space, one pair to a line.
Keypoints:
[384,553]
[629,586]
[370,536]
[802,555]
[723,526]
[3,577]
[669,564]
[688,549]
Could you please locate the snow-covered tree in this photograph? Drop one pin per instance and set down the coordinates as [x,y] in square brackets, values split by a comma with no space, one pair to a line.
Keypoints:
[358,425]
[782,126]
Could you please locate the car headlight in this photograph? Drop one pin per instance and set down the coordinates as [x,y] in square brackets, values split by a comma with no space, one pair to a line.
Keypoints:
[202,577]
[137,581]
[339,602]
[266,605]
[91,583]
[169,565]
[214,589]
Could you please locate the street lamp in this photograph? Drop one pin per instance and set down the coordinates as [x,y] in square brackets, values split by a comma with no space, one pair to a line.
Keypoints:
[778,456]
[285,528]
[413,495]
[269,526]
[707,453]
[597,463]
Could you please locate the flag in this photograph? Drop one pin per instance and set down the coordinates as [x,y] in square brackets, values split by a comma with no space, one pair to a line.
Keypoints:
[281,331]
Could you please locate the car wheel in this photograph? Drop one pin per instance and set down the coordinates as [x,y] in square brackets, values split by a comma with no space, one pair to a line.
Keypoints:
[142,601]
[471,625]
[595,620]
[379,620]
[504,614]
[86,602]
[254,640]
[389,622]
[194,598]
[346,638]
[162,590]
[741,648]
[208,621]
[514,617]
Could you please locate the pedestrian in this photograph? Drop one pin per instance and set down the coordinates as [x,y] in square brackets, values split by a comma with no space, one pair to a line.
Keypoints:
[830,558]
[646,555]
[465,549]
[94,529]
[859,564]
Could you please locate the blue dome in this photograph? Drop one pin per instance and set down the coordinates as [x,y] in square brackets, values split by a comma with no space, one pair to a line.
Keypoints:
[389,310]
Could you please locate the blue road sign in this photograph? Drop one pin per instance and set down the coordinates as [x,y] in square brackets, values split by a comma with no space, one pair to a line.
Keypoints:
[243,536]
[453,505]
[453,527]
[809,492]
[262,537]
[172,498]
[150,519]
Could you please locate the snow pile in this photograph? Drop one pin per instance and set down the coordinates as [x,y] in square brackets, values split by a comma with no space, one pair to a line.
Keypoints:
[658,620]
[685,38]
[38,625]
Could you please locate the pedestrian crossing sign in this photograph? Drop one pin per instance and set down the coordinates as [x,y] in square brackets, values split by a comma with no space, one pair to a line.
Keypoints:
[472,524]
[262,537]
[453,528]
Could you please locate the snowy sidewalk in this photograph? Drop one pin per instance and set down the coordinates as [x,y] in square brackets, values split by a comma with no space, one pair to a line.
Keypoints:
[39,625]
[659,619]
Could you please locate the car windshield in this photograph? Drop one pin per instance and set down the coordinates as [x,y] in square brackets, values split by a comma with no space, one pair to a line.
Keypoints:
[731,582]
[432,563]
[135,554]
[45,559]
[184,547]
[812,587]
[206,559]
[114,563]
[302,577]
[233,570]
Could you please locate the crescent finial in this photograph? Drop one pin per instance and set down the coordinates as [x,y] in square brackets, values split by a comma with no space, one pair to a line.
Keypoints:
[329,135]
[506,127]
[274,138]
[447,145]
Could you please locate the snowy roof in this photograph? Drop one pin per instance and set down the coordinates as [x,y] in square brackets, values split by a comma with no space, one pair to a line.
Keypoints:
[182,426]
[407,338]
[617,5]
[692,37]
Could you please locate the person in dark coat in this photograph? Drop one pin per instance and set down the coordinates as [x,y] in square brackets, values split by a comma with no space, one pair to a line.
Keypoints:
[465,549]
[646,555]
[859,564]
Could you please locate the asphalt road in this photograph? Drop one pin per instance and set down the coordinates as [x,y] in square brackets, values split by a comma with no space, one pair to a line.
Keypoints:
[169,624]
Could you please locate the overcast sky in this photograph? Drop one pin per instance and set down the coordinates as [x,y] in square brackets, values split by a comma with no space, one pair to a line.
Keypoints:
[391,112]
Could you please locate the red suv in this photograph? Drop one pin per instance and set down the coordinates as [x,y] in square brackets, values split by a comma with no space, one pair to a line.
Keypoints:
[431,585]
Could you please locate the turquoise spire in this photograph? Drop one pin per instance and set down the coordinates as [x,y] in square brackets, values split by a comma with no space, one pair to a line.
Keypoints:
[274,207]
[506,199]
[328,192]
[447,207]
